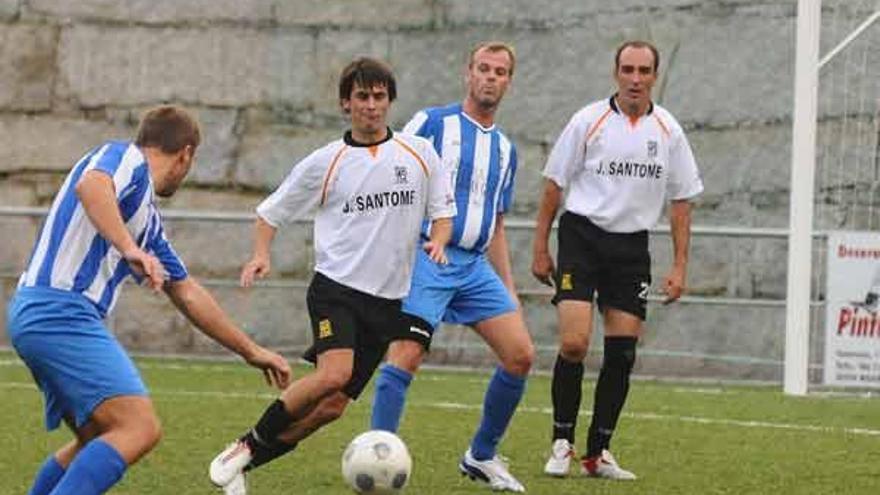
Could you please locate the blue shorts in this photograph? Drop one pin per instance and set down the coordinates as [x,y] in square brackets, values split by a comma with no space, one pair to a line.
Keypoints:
[465,291]
[73,357]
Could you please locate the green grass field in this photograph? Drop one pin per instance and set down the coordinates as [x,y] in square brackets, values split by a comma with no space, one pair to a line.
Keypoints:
[678,438]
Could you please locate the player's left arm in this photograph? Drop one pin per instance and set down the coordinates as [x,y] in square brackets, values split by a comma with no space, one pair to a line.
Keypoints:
[680,225]
[683,185]
[499,255]
[200,307]
[440,235]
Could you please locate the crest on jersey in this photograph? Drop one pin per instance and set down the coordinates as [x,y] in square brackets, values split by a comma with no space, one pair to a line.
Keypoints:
[325,329]
[400,175]
[652,148]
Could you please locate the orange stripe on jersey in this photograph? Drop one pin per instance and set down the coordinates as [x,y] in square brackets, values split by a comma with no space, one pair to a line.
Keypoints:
[416,155]
[330,170]
[662,124]
[597,124]
[373,150]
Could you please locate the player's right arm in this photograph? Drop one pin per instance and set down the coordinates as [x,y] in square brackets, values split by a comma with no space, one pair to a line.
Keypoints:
[566,156]
[200,307]
[542,261]
[300,192]
[260,263]
[96,191]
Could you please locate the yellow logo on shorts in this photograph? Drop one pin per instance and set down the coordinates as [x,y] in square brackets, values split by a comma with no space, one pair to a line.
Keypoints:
[566,283]
[324,329]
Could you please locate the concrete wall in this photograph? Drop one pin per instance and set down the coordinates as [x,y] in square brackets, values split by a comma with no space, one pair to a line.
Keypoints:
[261,74]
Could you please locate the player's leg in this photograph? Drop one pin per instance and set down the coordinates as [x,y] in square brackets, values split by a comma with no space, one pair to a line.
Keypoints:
[575,281]
[128,428]
[404,357]
[430,293]
[621,336]
[86,377]
[374,316]
[298,401]
[623,299]
[55,465]
[483,298]
[334,326]
[509,338]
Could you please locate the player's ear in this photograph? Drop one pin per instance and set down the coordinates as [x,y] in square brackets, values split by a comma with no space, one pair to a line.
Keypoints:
[345,104]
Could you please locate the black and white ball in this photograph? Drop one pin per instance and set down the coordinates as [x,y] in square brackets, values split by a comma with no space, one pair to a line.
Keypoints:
[377,462]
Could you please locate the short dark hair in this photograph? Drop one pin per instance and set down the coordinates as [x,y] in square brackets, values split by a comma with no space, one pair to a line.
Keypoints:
[367,72]
[637,44]
[169,128]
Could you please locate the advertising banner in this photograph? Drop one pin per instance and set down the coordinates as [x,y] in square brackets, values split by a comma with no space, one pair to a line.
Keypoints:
[852,334]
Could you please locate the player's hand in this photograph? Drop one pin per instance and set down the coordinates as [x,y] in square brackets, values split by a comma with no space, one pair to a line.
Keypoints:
[274,366]
[147,266]
[673,284]
[257,268]
[436,251]
[543,268]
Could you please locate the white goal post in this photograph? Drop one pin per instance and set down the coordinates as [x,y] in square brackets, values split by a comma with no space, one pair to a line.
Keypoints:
[803,168]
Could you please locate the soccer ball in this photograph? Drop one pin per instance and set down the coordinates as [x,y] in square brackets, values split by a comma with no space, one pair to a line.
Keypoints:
[376,462]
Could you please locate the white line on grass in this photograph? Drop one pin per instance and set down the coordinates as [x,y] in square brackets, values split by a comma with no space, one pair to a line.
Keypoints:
[525,409]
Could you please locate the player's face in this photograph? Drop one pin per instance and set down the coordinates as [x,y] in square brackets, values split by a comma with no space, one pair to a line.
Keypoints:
[488,77]
[368,108]
[180,165]
[635,76]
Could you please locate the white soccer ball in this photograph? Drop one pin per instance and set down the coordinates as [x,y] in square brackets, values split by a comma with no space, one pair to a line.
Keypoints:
[376,462]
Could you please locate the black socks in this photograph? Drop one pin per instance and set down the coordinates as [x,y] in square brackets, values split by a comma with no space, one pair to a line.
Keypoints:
[611,391]
[263,438]
[566,394]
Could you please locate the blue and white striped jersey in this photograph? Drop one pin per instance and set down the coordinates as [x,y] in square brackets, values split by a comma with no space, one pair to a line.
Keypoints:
[70,255]
[483,164]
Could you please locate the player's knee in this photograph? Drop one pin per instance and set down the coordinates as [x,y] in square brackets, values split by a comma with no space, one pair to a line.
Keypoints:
[573,350]
[149,431]
[406,355]
[620,355]
[520,361]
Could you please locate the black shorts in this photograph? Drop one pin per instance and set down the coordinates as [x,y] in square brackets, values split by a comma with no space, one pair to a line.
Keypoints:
[345,318]
[590,260]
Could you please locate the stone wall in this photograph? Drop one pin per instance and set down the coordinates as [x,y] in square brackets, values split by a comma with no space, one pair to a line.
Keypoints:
[261,74]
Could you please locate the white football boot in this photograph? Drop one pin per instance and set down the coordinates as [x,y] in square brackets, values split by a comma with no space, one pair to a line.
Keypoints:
[492,471]
[229,463]
[561,454]
[604,466]
[238,486]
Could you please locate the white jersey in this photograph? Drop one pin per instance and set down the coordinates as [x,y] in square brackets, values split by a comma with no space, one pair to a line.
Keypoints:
[371,201]
[619,173]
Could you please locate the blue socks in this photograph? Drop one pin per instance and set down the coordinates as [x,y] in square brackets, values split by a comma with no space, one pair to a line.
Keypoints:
[390,397]
[47,477]
[502,397]
[95,469]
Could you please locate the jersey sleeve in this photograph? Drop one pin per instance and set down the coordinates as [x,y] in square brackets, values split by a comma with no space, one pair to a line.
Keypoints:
[418,125]
[507,185]
[300,192]
[441,201]
[567,154]
[161,248]
[117,160]
[684,177]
